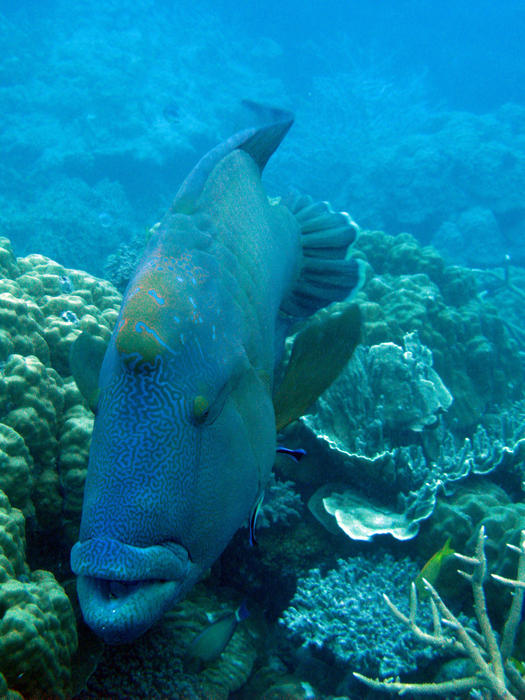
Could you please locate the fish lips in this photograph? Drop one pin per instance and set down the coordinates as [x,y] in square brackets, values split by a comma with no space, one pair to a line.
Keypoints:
[123,589]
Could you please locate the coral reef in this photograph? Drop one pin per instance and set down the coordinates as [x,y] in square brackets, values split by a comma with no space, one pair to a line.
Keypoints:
[413,290]
[491,669]
[98,165]
[474,505]
[154,666]
[44,425]
[389,449]
[411,169]
[282,504]
[343,614]
[399,390]
[37,629]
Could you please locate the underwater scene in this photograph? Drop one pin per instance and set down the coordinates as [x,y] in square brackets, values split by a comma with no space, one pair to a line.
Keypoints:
[262,350]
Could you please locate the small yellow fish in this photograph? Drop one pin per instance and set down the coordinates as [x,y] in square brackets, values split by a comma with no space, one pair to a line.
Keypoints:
[432,568]
[518,665]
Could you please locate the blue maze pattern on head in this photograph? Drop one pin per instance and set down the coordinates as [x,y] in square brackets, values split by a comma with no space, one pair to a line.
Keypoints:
[142,432]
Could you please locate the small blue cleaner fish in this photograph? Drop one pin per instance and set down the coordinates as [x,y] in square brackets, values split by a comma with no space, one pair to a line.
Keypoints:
[209,644]
[296,455]
[185,396]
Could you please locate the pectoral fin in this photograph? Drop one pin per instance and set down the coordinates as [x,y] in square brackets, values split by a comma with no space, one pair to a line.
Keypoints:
[319,353]
[85,361]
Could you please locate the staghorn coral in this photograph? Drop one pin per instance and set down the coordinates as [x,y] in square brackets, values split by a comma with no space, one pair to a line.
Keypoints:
[491,669]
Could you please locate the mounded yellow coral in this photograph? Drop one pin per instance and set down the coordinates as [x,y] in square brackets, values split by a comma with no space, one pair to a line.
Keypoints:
[43,308]
[71,301]
[74,441]
[45,430]
[6,693]
[16,469]
[37,625]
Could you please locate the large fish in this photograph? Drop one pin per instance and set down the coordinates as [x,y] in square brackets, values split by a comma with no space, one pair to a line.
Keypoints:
[185,430]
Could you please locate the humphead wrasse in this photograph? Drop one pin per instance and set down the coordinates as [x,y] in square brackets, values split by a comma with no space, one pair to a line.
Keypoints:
[185,431]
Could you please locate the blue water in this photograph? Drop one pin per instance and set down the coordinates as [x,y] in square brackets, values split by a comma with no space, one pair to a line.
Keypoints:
[400,106]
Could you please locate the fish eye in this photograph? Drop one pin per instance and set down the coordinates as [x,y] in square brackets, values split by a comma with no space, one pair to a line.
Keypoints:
[201,408]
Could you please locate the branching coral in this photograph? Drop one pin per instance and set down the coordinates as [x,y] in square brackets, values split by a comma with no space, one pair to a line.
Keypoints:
[494,673]
[339,613]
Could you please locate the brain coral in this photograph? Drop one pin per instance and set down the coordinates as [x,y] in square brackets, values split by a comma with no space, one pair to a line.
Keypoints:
[45,430]
[44,439]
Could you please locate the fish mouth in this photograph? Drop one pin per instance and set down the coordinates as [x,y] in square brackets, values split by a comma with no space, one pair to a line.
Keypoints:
[120,611]
[123,590]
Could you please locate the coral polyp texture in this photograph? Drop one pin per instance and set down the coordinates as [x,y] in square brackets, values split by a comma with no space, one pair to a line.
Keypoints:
[413,290]
[45,430]
[45,426]
[37,628]
[342,614]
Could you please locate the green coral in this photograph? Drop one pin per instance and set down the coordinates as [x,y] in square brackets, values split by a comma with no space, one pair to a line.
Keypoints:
[45,429]
[74,441]
[413,290]
[43,308]
[37,625]
[16,469]
[481,503]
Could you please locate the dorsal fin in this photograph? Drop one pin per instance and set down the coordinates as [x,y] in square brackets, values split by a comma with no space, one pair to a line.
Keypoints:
[259,142]
[327,274]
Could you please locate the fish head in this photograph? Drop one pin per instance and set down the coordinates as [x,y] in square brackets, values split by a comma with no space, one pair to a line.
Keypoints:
[184,436]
